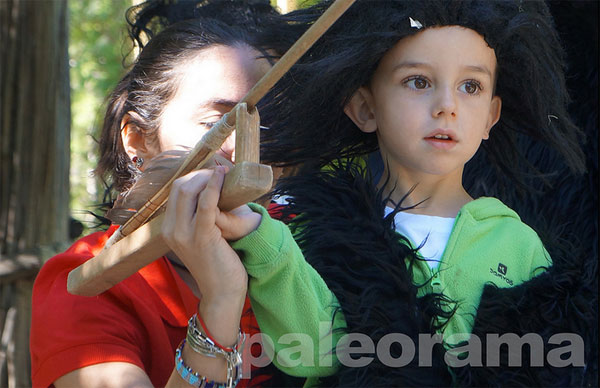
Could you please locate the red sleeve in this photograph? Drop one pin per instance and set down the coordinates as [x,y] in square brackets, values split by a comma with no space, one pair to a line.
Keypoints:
[104,329]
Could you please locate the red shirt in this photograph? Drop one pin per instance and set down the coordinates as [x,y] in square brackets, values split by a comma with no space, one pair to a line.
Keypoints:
[140,320]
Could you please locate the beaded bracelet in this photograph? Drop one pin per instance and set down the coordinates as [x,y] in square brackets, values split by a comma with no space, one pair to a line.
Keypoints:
[188,374]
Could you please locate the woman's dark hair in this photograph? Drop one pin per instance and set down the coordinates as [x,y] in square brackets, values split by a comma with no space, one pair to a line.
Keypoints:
[305,109]
[150,17]
[150,83]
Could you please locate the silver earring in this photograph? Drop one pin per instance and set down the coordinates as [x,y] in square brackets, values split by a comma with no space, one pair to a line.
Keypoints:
[138,161]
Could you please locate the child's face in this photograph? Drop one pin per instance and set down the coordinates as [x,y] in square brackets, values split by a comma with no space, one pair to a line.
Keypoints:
[430,101]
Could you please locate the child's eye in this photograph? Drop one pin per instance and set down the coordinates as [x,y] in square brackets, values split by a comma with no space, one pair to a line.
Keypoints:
[471,87]
[417,83]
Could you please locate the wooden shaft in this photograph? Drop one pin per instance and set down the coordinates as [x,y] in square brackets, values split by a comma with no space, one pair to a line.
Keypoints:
[298,49]
[121,260]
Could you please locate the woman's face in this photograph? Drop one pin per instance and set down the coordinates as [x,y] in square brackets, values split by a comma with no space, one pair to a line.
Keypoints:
[209,85]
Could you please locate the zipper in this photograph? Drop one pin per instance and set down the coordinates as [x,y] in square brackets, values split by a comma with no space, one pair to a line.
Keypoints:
[436,282]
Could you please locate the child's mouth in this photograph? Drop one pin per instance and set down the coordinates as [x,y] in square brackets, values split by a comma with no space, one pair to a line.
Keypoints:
[442,141]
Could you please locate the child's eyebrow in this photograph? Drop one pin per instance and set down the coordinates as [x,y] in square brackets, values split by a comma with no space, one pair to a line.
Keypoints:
[416,65]
[410,65]
[479,69]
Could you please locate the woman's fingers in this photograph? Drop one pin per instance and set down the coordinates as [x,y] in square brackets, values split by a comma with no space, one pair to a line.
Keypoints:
[191,231]
[206,209]
[187,192]
[181,206]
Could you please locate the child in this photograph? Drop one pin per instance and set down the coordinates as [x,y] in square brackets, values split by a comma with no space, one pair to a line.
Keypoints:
[417,253]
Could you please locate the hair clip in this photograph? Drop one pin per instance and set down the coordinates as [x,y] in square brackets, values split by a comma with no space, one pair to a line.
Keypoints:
[415,23]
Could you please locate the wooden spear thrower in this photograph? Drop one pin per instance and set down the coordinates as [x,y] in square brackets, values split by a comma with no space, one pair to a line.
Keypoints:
[137,243]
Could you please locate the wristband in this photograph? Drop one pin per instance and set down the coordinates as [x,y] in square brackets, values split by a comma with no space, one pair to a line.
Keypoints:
[197,318]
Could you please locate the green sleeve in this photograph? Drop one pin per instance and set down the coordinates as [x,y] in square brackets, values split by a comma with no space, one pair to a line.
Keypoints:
[292,303]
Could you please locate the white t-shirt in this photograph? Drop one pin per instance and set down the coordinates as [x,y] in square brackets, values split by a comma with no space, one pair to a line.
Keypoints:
[431,231]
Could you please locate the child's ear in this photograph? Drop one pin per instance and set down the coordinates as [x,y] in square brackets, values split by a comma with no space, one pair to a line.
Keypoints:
[495,109]
[134,141]
[360,110]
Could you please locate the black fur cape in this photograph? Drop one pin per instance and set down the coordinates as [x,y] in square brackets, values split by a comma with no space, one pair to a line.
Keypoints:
[346,238]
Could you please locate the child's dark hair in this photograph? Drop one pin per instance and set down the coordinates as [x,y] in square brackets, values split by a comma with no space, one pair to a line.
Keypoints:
[150,83]
[305,109]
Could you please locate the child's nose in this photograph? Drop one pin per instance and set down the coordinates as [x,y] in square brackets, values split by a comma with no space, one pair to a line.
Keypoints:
[445,103]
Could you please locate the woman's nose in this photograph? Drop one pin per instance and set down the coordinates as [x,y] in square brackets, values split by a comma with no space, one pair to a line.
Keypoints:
[228,147]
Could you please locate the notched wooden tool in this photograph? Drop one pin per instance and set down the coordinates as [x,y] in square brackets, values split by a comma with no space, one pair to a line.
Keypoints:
[245,182]
[139,242]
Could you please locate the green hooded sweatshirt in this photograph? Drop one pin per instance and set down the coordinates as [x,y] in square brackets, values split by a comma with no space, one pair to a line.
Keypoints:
[293,305]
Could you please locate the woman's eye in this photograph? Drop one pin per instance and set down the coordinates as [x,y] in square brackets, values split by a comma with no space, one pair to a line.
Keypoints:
[417,83]
[470,87]
[208,124]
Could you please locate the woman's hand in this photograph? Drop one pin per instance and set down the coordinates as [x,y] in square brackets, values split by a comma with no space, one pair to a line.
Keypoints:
[196,230]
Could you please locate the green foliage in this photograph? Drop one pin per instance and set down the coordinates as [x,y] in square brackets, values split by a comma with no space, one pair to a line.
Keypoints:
[97,45]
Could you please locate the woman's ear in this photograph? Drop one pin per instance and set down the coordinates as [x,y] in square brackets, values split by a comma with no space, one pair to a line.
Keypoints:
[495,109]
[360,110]
[133,139]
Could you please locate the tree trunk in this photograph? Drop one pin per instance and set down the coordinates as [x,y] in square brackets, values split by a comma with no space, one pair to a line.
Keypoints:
[34,161]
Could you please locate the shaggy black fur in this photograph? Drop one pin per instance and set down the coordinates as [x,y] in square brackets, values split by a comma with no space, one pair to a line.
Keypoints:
[564,212]
[357,253]
[343,234]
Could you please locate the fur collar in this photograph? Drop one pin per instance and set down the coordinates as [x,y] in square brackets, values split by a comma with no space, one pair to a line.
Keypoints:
[341,229]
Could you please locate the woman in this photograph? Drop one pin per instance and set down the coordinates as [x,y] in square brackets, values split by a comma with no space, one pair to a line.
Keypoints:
[184,80]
